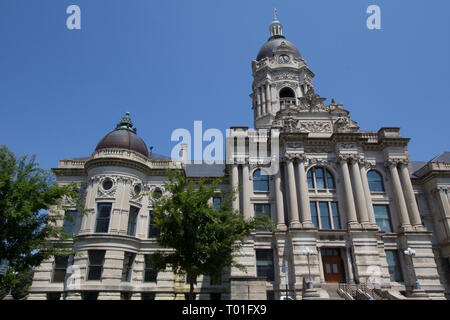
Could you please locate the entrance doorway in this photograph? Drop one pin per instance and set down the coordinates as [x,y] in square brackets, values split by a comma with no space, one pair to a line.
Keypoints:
[333,266]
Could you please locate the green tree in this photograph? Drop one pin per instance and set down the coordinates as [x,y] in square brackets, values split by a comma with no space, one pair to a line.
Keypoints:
[17,283]
[202,239]
[28,230]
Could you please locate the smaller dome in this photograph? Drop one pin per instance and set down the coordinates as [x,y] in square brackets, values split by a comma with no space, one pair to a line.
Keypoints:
[124,137]
[274,42]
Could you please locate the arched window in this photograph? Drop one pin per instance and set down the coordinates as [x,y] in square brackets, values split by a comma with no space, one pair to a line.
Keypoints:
[260,181]
[320,178]
[375,181]
[287,93]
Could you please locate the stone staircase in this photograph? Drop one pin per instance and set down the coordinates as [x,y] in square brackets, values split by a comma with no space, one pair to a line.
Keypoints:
[332,290]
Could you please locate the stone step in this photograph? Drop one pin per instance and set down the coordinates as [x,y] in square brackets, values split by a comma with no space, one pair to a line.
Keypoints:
[332,289]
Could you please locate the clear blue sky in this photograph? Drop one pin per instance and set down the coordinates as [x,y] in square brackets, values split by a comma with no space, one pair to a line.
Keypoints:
[172,62]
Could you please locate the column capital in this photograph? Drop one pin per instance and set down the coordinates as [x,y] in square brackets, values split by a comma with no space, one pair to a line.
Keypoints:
[395,162]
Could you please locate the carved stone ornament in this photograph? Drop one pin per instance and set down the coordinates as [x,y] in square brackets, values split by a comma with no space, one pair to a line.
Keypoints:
[101,192]
[290,123]
[312,102]
[318,149]
[345,124]
[315,126]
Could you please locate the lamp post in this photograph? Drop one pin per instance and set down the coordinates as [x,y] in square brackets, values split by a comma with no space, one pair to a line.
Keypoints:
[308,252]
[411,253]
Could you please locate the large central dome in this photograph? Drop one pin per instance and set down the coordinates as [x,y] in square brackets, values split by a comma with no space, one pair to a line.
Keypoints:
[276,38]
[123,137]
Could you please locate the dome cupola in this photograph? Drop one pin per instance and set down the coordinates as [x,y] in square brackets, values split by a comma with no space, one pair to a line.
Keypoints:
[124,137]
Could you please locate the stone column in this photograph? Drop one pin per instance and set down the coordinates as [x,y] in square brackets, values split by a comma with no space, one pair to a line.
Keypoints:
[305,210]
[369,204]
[263,100]
[352,221]
[245,192]
[410,198]
[293,204]
[235,185]
[359,191]
[268,100]
[258,101]
[398,194]
[281,225]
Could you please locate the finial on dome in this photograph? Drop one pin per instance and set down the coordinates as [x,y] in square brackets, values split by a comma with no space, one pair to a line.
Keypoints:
[125,123]
[276,29]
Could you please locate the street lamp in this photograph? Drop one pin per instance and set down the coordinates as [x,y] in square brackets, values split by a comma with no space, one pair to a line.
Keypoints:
[308,252]
[411,253]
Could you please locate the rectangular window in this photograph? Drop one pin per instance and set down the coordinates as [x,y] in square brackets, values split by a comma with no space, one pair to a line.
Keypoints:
[382,217]
[336,218]
[153,231]
[103,215]
[310,179]
[150,274]
[95,268]
[217,202]
[320,178]
[264,264]
[314,217]
[324,215]
[59,268]
[261,209]
[127,266]
[132,219]
[70,219]
[394,267]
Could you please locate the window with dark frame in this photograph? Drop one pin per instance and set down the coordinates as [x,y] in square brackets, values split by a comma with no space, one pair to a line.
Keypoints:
[383,217]
[260,181]
[323,213]
[262,209]
[70,219]
[59,268]
[264,264]
[128,266]
[95,268]
[103,216]
[150,273]
[153,230]
[217,201]
[132,219]
[320,178]
[375,181]
[393,262]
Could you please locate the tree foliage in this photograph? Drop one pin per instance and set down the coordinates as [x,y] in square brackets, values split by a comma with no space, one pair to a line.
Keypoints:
[28,230]
[202,239]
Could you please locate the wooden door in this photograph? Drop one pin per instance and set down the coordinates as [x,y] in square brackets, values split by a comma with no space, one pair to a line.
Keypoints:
[333,268]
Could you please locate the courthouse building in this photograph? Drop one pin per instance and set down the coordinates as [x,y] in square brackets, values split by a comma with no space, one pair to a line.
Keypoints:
[347,204]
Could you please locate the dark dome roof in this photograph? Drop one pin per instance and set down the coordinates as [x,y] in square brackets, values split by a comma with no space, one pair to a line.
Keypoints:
[273,42]
[123,137]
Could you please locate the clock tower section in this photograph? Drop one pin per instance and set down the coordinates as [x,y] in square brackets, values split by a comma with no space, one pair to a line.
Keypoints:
[281,76]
